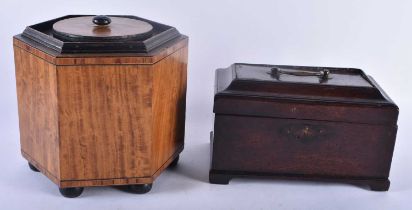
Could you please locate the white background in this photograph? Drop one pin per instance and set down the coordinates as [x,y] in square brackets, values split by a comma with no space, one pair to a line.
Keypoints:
[375,36]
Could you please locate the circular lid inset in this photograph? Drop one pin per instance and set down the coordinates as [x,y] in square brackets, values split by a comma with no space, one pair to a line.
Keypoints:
[101,28]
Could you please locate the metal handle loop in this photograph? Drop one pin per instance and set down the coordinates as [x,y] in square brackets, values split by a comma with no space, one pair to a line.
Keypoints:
[322,74]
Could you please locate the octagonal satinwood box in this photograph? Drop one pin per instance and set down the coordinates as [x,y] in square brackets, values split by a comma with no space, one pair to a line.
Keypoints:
[101,104]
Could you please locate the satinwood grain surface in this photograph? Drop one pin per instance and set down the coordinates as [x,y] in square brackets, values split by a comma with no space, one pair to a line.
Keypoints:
[169,102]
[38,111]
[101,120]
[105,121]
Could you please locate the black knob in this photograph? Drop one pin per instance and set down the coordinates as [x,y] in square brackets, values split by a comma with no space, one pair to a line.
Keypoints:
[102,20]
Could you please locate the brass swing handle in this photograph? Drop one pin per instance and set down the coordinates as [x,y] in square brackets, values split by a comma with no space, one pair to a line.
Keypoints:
[322,74]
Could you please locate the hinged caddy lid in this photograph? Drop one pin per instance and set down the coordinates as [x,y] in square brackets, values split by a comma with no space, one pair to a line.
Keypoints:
[100,34]
[301,92]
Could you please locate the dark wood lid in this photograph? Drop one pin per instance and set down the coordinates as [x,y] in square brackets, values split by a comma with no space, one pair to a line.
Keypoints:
[302,92]
[100,34]
[88,28]
[298,82]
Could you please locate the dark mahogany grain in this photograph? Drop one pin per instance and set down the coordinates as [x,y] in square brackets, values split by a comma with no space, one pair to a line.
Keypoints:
[302,128]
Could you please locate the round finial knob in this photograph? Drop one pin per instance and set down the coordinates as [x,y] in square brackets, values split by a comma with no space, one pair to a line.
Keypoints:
[102,20]
[325,74]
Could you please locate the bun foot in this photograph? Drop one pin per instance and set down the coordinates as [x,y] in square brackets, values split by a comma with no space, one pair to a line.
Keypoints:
[33,168]
[218,178]
[139,188]
[173,164]
[71,192]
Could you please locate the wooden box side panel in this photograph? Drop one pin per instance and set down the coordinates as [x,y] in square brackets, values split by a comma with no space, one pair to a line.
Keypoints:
[169,105]
[38,114]
[371,114]
[105,121]
[305,147]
